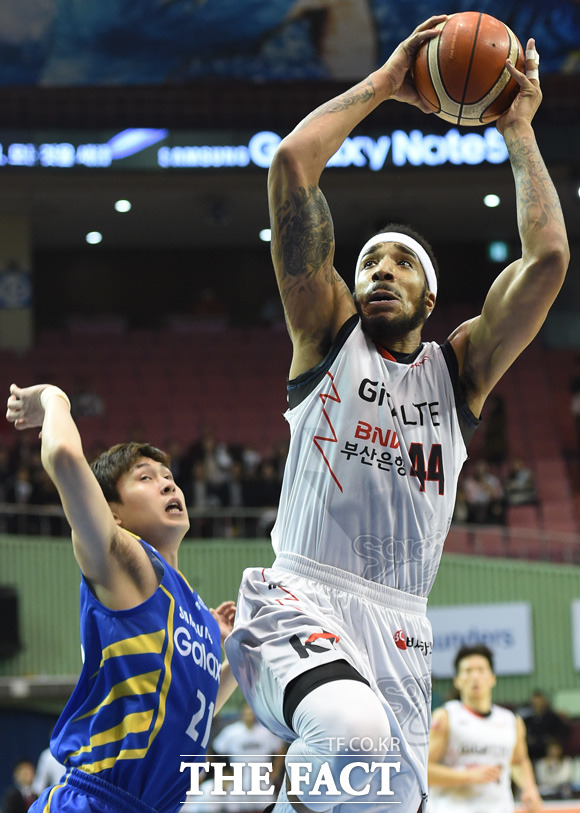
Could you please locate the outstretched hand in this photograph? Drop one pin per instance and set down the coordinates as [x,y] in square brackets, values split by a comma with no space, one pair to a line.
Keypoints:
[399,65]
[225,615]
[24,408]
[529,97]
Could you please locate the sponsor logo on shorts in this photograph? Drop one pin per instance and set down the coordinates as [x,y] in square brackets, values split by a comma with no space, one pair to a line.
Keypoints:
[311,643]
[400,639]
[404,641]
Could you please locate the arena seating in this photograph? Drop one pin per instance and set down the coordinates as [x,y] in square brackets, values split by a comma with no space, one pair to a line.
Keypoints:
[165,384]
[159,384]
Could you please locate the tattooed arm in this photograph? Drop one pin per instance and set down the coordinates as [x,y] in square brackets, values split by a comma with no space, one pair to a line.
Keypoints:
[521,296]
[316,300]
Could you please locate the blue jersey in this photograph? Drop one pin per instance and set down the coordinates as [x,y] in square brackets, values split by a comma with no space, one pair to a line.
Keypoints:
[146,692]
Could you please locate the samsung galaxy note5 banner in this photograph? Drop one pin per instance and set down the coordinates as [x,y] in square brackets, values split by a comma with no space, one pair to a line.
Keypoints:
[154,148]
[505,628]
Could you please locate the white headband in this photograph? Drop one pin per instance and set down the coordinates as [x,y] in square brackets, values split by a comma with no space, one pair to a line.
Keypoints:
[404,239]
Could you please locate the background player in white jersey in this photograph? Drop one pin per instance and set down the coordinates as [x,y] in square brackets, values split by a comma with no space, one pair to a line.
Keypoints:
[476,748]
[332,646]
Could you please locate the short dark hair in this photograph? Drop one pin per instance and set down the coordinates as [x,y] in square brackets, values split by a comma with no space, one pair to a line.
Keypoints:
[476,649]
[410,232]
[110,466]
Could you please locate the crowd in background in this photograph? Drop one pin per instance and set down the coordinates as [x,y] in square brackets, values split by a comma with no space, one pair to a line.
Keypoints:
[484,495]
[492,480]
[213,475]
[216,475]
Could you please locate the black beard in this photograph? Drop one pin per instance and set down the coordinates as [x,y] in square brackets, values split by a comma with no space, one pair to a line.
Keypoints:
[385,331]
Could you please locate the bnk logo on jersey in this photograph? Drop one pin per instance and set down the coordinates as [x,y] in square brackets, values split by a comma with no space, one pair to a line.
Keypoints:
[403,641]
[313,643]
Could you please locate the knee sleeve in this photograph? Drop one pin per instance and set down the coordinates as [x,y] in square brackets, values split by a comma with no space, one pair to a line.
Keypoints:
[337,724]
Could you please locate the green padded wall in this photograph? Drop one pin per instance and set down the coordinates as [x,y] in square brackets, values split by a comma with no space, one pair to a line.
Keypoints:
[46,577]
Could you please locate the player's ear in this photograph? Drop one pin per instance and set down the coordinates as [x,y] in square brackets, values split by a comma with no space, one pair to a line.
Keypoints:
[116,515]
[430,302]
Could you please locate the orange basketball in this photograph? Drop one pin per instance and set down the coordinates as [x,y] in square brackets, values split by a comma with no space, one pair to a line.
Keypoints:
[461,74]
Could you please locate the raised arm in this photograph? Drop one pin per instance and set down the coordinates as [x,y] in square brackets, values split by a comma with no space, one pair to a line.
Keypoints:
[521,296]
[316,300]
[97,539]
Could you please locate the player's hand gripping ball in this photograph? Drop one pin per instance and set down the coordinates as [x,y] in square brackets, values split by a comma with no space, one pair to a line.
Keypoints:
[461,74]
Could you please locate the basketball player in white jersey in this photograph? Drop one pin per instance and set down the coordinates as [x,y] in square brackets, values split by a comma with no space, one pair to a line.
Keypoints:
[476,748]
[332,646]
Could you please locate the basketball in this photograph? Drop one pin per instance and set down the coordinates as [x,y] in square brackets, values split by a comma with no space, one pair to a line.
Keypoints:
[461,74]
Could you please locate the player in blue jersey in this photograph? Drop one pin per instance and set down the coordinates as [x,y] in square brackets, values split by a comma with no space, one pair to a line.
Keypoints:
[379,423]
[152,676]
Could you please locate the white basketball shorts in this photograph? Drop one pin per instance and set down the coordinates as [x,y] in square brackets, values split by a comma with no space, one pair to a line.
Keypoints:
[301,614]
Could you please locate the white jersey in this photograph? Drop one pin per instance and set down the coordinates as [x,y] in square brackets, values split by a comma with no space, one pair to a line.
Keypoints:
[474,741]
[375,454]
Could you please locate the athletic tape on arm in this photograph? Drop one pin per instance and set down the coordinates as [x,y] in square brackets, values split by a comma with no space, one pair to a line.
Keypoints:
[50,392]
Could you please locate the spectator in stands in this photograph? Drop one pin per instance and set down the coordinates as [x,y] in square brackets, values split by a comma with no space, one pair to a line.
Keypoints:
[26,450]
[484,495]
[495,436]
[45,494]
[217,462]
[19,796]
[554,772]
[247,740]
[251,459]
[235,494]
[5,471]
[199,491]
[197,495]
[85,402]
[543,725]
[44,491]
[19,489]
[520,485]
[461,510]
[263,491]
[179,463]
[279,456]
